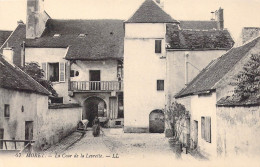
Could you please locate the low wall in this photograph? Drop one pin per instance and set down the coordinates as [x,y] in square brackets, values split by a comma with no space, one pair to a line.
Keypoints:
[58,123]
[238,131]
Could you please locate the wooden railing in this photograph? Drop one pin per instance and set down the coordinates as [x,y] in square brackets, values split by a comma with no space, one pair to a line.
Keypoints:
[3,144]
[96,85]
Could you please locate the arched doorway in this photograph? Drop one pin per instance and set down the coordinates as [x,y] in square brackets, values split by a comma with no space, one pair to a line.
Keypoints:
[94,107]
[156,121]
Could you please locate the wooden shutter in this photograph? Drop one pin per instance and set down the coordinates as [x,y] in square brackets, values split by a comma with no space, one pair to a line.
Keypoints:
[62,71]
[44,68]
[203,127]
[158,46]
[208,129]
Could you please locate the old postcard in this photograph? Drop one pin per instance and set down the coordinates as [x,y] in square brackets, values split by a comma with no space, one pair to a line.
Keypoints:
[129,83]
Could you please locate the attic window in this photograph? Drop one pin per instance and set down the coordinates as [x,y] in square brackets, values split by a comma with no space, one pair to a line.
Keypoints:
[56,35]
[82,35]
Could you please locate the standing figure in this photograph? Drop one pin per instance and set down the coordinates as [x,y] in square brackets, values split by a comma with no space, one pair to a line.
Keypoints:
[96,127]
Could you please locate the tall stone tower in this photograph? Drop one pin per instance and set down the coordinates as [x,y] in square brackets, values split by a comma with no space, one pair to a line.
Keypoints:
[145,65]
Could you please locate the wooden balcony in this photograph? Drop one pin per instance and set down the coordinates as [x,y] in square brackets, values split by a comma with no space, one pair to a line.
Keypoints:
[96,86]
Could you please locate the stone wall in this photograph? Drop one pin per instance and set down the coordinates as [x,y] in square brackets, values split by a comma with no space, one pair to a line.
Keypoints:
[238,131]
[57,124]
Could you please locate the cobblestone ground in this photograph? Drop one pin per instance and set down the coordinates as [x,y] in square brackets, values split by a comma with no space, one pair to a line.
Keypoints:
[113,142]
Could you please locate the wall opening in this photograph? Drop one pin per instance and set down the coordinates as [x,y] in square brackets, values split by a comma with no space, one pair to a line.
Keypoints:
[156,121]
[94,107]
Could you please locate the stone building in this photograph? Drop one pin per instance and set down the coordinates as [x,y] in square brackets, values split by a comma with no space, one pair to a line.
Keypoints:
[159,62]
[85,60]
[203,94]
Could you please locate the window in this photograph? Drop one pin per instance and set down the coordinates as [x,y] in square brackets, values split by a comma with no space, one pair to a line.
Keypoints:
[160,84]
[206,129]
[158,46]
[54,72]
[7,111]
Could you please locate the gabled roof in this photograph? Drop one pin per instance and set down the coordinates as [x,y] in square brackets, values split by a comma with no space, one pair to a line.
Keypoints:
[104,39]
[216,70]
[12,77]
[15,40]
[197,39]
[3,36]
[150,12]
[198,25]
[231,101]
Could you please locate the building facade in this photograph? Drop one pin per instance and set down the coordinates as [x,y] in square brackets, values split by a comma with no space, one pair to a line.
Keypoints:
[203,93]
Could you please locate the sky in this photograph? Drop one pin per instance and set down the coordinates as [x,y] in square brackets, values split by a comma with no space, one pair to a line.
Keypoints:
[237,13]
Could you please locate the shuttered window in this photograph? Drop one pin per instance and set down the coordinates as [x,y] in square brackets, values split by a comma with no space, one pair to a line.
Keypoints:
[54,72]
[62,72]
[206,129]
[158,46]
[160,85]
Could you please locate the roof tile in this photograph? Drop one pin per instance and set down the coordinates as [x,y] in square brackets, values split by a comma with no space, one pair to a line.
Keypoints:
[150,12]
[12,77]
[216,70]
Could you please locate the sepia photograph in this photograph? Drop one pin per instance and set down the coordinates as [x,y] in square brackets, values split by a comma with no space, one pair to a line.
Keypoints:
[129,83]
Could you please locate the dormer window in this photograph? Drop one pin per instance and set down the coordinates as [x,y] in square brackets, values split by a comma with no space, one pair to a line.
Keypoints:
[56,35]
[82,35]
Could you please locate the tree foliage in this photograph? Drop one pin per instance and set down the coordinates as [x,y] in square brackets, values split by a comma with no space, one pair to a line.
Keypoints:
[176,116]
[34,70]
[248,80]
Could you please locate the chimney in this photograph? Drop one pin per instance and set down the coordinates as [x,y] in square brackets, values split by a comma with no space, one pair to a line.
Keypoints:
[36,18]
[20,22]
[8,54]
[212,16]
[160,3]
[220,18]
[186,60]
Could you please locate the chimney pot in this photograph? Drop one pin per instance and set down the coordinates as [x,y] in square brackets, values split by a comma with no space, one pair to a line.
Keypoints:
[20,22]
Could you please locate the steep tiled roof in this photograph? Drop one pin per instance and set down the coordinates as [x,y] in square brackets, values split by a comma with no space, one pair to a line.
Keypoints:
[3,36]
[253,100]
[198,39]
[150,12]
[104,39]
[15,41]
[198,25]
[209,76]
[12,77]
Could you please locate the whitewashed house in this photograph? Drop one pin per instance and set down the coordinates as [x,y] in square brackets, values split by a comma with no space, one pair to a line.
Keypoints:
[206,91]
[23,101]
[82,58]
[161,55]
[99,64]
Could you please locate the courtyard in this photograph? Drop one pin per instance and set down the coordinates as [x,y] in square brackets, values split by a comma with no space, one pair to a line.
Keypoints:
[114,143]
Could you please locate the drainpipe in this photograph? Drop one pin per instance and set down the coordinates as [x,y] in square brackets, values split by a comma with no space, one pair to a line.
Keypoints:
[186,55]
[23,54]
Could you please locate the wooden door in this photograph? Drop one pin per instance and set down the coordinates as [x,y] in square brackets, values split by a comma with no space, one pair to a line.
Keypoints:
[28,131]
[156,122]
[94,75]
[1,137]
[113,107]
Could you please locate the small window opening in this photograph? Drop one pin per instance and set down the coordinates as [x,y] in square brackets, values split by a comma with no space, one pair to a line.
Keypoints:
[82,35]
[53,72]
[7,111]
[56,35]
